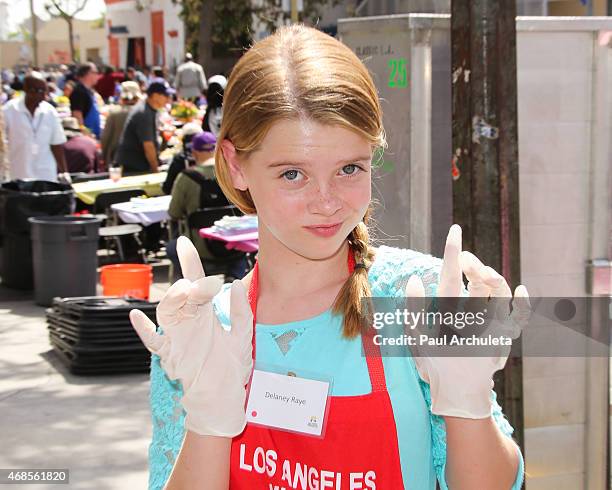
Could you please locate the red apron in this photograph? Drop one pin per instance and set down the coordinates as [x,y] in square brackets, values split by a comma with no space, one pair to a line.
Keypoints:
[359,450]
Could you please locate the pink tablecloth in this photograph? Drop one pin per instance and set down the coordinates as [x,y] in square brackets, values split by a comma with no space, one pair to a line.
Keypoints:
[245,242]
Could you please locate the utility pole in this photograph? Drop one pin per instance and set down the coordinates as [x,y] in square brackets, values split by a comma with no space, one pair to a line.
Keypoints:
[34,34]
[485,155]
[294,11]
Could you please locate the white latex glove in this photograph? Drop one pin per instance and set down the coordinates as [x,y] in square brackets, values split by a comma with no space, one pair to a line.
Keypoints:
[460,385]
[213,365]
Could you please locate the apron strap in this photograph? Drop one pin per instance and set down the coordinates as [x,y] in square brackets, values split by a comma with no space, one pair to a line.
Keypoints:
[373,357]
[252,297]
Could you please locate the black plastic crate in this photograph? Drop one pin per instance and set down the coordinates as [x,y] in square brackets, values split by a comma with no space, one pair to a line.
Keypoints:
[92,335]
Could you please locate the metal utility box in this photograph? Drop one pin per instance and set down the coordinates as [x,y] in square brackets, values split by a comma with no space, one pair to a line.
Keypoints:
[409,59]
[564,80]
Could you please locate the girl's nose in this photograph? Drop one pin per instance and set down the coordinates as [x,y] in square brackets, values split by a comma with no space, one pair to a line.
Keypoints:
[325,201]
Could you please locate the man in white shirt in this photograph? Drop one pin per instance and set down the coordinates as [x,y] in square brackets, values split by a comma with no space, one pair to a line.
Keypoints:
[34,134]
[190,79]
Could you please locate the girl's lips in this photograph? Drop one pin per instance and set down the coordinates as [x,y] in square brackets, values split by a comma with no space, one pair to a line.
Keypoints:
[324,230]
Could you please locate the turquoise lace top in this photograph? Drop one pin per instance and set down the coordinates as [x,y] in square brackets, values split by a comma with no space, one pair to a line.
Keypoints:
[318,342]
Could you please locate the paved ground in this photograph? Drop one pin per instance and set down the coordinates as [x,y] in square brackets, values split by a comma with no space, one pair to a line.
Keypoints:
[98,427]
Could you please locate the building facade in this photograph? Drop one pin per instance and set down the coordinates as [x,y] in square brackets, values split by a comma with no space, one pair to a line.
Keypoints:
[144,32]
[4,20]
[53,47]
[89,41]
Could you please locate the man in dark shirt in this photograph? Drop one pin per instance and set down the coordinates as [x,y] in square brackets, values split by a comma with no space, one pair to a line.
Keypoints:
[138,146]
[83,100]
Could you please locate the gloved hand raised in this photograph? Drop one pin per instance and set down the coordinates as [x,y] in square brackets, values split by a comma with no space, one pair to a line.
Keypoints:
[461,384]
[213,365]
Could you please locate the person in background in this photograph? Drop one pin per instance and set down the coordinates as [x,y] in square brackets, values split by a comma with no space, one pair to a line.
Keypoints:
[214,104]
[54,90]
[3,160]
[7,76]
[157,75]
[83,100]
[168,76]
[17,84]
[63,78]
[129,96]
[34,134]
[130,74]
[52,93]
[184,159]
[134,75]
[106,84]
[190,81]
[7,79]
[138,148]
[82,154]
[68,88]
[148,74]
[187,198]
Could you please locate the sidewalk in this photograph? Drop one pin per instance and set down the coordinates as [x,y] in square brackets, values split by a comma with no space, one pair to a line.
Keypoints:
[97,427]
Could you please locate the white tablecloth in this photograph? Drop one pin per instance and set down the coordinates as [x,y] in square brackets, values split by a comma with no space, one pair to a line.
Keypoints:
[144,211]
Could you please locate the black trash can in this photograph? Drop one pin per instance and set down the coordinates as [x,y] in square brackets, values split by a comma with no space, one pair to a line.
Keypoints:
[65,256]
[20,200]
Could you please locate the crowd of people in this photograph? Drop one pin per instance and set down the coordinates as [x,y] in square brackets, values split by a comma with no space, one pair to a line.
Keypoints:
[84,120]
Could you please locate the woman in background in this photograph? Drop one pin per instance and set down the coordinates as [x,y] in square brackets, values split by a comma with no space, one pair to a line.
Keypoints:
[214,108]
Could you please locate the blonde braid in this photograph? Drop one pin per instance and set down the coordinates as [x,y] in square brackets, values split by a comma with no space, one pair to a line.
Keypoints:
[356,289]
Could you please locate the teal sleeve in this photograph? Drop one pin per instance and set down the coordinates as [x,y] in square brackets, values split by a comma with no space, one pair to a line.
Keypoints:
[167,417]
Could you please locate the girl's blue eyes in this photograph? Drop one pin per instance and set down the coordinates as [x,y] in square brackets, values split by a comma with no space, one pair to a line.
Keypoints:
[352,166]
[292,175]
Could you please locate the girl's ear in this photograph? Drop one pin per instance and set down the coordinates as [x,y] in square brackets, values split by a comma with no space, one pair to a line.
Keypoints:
[235,168]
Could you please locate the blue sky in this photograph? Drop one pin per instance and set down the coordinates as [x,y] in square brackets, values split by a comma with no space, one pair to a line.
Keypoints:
[20,9]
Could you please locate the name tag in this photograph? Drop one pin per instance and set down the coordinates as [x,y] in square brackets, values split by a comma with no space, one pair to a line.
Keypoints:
[34,149]
[287,402]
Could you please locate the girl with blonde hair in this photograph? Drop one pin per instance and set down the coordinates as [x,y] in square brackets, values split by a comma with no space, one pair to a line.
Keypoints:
[302,120]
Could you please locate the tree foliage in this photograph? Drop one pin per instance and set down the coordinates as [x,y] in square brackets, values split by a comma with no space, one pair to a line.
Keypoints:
[66,9]
[233,19]
[190,14]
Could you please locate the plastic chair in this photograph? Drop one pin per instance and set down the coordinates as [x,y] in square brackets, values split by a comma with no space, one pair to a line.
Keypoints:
[222,257]
[102,208]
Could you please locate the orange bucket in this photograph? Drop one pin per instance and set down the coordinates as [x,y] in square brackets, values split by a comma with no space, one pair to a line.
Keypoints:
[126,280]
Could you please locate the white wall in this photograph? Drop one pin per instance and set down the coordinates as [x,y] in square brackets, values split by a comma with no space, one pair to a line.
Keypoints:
[565,160]
[139,25]
[90,38]
[175,51]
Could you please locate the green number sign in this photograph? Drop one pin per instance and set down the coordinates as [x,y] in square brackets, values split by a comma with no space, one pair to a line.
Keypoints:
[398,75]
